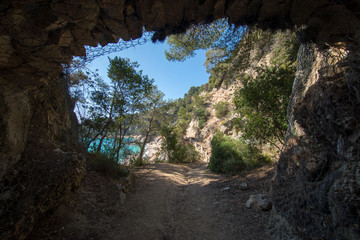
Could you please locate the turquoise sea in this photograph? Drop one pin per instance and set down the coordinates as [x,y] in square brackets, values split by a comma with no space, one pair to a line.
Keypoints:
[108,144]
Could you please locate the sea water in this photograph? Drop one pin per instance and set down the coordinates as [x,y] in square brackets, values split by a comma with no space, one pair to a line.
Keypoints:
[108,143]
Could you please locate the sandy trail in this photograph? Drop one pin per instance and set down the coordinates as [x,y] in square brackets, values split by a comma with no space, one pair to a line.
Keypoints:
[168,201]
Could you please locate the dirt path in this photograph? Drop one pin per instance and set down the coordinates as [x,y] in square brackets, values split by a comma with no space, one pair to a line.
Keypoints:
[169,202]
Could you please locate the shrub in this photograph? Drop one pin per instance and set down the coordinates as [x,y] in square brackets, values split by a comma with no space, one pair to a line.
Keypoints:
[222,109]
[136,161]
[233,156]
[202,114]
[175,149]
[262,104]
[104,164]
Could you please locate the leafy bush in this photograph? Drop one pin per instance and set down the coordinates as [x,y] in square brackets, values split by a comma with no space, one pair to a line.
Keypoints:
[202,114]
[137,161]
[233,156]
[262,103]
[222,109]
[104,164]
[199,110]
[175,149]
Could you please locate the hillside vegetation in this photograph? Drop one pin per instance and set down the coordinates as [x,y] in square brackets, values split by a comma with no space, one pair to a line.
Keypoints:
[228,122]
[241,111]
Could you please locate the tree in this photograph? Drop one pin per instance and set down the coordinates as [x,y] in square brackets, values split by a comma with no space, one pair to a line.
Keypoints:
[199,110]
[176,150]
[129,87]
[112,108]
[218,35]
[222,109]
[183,120]
[151,107]
[262,103]
[232,156]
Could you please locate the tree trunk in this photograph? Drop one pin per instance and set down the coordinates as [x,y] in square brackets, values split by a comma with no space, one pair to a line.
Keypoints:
[146,137]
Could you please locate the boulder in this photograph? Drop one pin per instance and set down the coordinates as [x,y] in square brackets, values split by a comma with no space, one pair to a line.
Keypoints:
[258,201]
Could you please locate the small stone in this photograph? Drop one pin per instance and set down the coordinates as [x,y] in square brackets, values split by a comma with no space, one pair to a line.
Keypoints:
[244,186]
[258,201]
[225,189]
[58,150]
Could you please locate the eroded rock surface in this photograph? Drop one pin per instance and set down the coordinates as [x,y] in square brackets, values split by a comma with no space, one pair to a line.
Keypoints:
[318,173]
[36,36]
[316,188]
[40,165]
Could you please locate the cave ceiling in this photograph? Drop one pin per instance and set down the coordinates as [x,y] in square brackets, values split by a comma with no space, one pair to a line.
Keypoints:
[37,36]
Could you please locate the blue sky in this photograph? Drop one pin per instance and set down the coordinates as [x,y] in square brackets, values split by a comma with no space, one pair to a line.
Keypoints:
[174,79]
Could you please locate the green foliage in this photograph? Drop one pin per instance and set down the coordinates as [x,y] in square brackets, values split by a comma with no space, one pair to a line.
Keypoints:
[175,149]
[218,34]
[146,119]
[104,164]
[285,47]
[222,109]
[250,48]
[194,91]
[183,114]
[213,58]
[215,81]
[138,161]
[262,103]
[112,108]
[184,119]
[233,156]
[202,115]
[199,111]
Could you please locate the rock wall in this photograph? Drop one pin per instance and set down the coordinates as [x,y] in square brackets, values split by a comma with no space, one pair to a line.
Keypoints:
[261,54]
[201,138]
[40,163]
[316,189]
[15,120]
[37,36]
[42,112]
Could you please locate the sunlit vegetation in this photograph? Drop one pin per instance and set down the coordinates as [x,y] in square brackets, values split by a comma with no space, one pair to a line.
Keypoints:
[232,156]
[222,109]
[260,102]
[132,105]
[175,149]
[111,111]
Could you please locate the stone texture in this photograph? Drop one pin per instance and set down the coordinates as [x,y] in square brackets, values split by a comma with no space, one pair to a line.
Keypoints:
[318,173]
[37,185]
[244,186]
[15,121]
[36,24]
[35,178]
[258,201]
[314,192]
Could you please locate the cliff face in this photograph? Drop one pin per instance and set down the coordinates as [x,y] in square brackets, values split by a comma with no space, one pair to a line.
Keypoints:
[37,36]
[42,113]
[39,164]
[260,54]
[316,188]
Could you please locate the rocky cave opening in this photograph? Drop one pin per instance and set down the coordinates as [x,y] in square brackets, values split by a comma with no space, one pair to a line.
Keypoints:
[319,168]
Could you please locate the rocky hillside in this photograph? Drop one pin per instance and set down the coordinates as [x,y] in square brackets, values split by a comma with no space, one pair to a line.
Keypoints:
[244,63]
[201,137]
